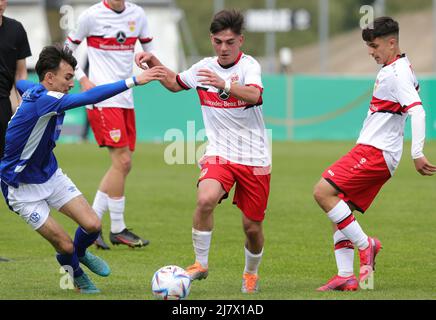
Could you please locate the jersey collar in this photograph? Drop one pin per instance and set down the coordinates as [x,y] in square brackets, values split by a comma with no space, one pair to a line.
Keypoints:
[232,64]
[395,59]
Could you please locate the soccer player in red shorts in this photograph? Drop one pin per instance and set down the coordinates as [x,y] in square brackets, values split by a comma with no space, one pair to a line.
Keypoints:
[353,181]
[230,90]
[111,29]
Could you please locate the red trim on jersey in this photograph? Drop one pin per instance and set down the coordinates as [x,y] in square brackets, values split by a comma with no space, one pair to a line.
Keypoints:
[412,105]
[260,101]
[395,59]
[379,105]
[212,100]
[111,44]
[346,222]
[233,63]
[74,41]
[145,40]
[181,83]
[106,4]
[256,86]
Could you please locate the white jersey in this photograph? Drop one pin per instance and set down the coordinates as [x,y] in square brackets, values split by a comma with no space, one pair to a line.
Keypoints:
[234,128]
[111,37]
[395,92]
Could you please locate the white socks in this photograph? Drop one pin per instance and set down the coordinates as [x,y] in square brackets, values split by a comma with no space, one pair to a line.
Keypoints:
[116,209]
[344,254]
[102,203]
[252,261]
[341,215]
[201,241]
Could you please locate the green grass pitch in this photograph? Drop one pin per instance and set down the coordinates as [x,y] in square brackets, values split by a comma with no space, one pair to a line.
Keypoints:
[298,255]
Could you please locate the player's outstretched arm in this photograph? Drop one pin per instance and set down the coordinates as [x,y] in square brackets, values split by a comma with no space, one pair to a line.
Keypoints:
[106,91]
[146,59]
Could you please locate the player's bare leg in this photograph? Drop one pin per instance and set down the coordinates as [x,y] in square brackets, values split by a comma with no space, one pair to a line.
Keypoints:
[253,254]
[341,214]
[112,186]
[209,193]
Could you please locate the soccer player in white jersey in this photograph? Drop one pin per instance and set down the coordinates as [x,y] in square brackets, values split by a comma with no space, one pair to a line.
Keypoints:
[31,180]
[230,91]
[111,29]
[353,181]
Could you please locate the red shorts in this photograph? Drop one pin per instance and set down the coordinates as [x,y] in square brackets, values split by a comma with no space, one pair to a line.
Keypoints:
[359,175]
[252,184]
[113,127]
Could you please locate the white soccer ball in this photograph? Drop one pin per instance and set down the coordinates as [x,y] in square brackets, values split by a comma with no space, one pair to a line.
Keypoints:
[170,283]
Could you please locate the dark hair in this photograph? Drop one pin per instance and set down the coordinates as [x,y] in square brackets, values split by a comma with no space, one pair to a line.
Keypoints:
[383,26]
[227,19]
[50,58]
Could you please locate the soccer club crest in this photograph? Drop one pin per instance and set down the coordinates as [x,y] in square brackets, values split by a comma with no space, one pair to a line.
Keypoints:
[115,135]
[132,25]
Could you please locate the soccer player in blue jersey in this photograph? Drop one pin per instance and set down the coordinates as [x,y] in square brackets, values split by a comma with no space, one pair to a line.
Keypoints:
[31,180]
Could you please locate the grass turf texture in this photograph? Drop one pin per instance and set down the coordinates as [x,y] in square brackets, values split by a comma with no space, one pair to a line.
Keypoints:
[298,253]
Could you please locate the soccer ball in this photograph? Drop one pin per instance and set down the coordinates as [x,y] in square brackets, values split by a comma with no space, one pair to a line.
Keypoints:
[170,283]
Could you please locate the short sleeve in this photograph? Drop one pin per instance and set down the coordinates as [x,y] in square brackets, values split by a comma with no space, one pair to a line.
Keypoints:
[188,79]
[252,73]
[145,35]
[406,90]
[23,47]
[82,30]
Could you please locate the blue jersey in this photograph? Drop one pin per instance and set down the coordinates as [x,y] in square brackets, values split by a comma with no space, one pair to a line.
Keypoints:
[33,130]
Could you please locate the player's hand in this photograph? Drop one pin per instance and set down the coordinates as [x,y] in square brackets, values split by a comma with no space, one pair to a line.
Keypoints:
[142,58]
[86,84]
[424,167]
[210,78]
[155,73]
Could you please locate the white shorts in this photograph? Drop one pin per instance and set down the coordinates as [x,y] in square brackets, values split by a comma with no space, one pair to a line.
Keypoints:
[33,201]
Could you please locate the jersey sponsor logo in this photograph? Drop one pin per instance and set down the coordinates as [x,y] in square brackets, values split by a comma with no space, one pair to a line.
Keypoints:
[121,37]
[34,217]
[223,95]
[115,135]
[72,189]
[215,100]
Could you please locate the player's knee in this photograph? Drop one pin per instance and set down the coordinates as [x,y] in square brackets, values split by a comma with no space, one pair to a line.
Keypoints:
[93,226]
[65,246]
[124,163]
[318,193]
[253,232]
[206,202]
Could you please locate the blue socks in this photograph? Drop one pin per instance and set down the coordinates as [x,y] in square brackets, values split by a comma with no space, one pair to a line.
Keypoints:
[83,240]
[72,261]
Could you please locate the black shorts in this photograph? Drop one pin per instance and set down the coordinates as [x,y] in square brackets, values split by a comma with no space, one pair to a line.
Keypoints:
[5,116]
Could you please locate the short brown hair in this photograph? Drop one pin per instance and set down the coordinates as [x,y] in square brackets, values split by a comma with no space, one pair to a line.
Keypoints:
[227,19]
[383,26]
[51,57]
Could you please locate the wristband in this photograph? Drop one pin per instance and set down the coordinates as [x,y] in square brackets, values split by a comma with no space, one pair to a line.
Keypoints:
[227,86]
[131,82]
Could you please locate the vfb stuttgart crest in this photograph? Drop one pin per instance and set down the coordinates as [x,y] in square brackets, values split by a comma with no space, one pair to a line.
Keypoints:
[115,135]
[121,37]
